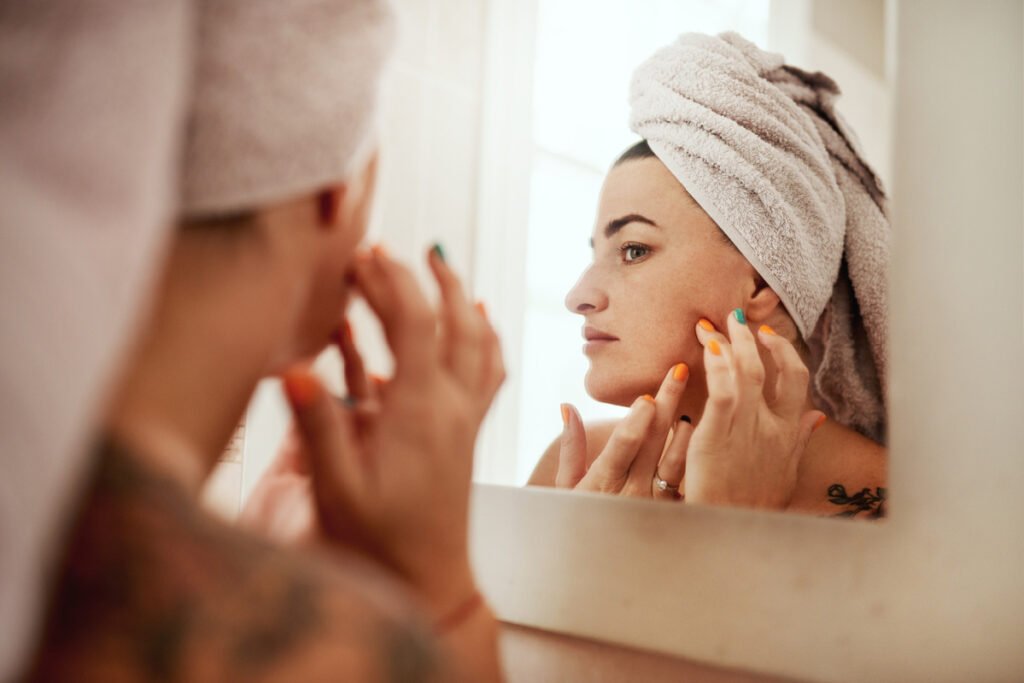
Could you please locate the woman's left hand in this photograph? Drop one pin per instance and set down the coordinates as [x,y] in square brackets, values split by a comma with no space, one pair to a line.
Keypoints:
[747,449]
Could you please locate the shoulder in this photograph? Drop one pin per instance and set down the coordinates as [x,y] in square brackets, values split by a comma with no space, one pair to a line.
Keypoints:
[848,479]
[598,433]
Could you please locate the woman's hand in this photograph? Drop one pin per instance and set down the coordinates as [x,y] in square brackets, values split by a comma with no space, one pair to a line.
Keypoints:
[390,467]
[635,452]
[746,451]
[280,505]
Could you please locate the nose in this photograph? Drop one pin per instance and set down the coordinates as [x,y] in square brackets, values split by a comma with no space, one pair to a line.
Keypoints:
[586,296]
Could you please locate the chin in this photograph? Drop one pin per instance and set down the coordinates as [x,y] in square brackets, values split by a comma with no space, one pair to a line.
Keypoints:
[618,389]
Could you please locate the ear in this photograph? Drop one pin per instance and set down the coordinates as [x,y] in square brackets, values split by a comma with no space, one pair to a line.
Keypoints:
[763,301]
[329,203]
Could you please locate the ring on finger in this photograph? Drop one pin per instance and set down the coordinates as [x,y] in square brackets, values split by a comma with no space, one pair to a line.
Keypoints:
[663,485]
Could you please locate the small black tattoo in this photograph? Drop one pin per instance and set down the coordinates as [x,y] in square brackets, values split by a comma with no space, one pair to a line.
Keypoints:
[873,504]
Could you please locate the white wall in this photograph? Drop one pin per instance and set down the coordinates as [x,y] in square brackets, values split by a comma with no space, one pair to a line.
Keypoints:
[795,31]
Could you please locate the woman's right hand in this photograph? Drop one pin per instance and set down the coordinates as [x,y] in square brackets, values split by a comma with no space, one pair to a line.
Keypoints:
[393,481]
[636,450]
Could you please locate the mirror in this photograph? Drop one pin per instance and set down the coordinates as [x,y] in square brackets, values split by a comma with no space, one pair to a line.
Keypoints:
[578,128]
[498,137]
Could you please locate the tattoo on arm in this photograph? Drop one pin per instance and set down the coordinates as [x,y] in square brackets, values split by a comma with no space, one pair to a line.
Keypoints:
[153,588]
[872,504]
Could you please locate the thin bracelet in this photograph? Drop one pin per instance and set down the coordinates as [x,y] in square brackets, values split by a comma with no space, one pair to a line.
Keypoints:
[458,615]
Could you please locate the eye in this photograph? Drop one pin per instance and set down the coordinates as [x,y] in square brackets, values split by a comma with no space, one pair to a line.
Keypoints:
[632,252]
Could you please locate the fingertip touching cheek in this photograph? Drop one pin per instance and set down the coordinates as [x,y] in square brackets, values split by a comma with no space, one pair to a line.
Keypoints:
[660,264]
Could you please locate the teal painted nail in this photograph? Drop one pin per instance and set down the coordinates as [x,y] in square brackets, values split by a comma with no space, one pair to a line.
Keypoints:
[439,250]
[740,318]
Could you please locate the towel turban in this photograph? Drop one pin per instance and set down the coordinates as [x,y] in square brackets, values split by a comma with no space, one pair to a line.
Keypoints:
[284,99]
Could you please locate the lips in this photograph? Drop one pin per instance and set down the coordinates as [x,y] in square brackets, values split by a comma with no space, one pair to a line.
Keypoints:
[593,334]
[596,339]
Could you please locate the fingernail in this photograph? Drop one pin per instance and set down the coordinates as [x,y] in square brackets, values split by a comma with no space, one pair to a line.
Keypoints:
[680,372]
[820,421]
[648,397]
[768,330]
[714,347]
[379,250]
[565,414]
[740,317]
[481,309]
[439,250]
[301,388]
[377,379]
[706,324]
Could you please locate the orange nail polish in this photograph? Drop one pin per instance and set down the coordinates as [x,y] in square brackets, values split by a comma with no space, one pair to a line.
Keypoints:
[706,324]
[768,330]
[481,309]
[648,397]
[680,372]
[565,414]
[377,379]
[714,347]
[301,388]
[820,421]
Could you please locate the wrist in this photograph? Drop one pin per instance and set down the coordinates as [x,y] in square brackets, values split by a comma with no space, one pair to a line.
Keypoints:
[447,590]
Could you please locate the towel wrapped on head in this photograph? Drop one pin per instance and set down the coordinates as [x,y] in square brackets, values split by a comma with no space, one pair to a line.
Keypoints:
[760,146]
[284,98]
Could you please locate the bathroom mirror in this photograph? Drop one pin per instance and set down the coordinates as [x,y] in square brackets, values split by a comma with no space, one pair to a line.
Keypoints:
[496,139]
[554,122]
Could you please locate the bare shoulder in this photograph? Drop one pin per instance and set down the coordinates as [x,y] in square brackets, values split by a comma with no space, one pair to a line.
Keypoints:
[197,599]
[598,433]
[846,480]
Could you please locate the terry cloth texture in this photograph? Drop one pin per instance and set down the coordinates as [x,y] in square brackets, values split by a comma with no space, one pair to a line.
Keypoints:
[284,99]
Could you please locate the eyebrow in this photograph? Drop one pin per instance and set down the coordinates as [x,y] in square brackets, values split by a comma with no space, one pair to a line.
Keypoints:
[619,223]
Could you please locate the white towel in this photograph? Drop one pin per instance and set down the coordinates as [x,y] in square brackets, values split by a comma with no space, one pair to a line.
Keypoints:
[760,146]
[284,99]
[92,101]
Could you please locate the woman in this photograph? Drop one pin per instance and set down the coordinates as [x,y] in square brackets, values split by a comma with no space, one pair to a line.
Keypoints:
[257,276]
[740,251]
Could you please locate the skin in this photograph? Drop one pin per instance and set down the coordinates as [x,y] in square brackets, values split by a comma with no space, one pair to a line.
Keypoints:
[648,288]
[151,586]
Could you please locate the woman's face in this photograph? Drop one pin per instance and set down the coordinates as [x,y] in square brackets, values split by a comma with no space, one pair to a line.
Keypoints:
[660,264]
[333,257]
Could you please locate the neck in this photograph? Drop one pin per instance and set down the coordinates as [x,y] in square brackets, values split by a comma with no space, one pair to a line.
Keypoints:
[214,332]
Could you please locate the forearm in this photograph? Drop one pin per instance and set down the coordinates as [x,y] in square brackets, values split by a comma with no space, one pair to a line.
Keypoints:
[152,588]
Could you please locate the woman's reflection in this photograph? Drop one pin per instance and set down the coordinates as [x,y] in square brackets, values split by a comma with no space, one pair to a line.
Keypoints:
[736,296]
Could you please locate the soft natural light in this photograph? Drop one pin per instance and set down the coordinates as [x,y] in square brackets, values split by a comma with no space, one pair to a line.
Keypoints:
[585,53]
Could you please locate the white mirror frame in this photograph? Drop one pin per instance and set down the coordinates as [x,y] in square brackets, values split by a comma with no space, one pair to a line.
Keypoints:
[936,591]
